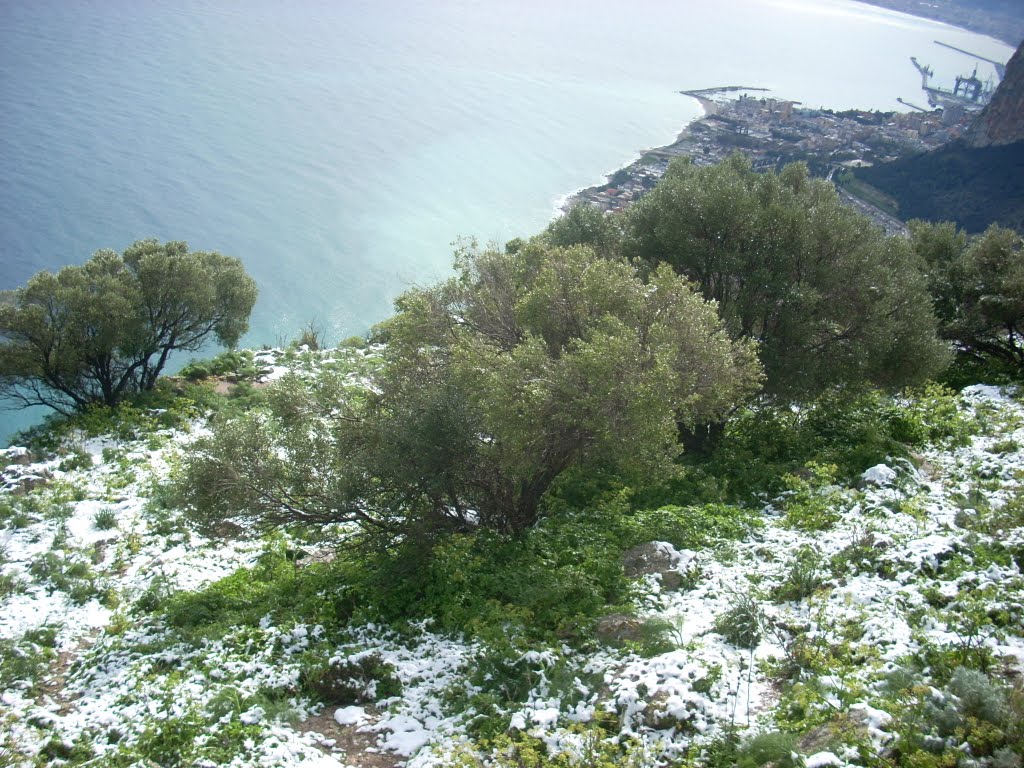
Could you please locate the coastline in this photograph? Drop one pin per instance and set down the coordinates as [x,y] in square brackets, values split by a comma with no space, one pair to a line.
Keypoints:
[1000,26]
[773,132]
[641,171]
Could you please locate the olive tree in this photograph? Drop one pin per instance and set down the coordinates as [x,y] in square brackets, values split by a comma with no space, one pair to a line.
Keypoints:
[830,299]
[978,288]
[493,384]
[97,332]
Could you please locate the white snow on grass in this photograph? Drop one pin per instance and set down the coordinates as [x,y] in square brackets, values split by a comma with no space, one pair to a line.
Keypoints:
[895,557]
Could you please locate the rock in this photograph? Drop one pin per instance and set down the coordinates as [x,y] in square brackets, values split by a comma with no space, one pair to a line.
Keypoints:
[657,558]
[618,628]
[662,713]
[1002,121]
[880,475]
[16,455]
[858,724]
[29,482]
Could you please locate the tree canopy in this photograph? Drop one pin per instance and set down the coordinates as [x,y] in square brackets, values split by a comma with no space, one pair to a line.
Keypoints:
[830,299]
[978,286]
[97,332]
[495,382]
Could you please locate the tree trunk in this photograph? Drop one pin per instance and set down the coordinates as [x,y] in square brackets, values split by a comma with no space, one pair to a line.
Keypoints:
[702,439]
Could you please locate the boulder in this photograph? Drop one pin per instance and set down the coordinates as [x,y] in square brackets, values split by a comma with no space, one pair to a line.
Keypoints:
[879,475]
[619,628]
[657,558]
[16,455]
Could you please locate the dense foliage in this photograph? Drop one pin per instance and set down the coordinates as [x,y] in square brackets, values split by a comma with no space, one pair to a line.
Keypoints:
[99,332]
[978,288]
[972,186]
[828,296]
[494,383]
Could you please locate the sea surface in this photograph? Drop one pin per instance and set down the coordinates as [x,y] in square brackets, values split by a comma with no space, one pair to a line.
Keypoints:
[339,148]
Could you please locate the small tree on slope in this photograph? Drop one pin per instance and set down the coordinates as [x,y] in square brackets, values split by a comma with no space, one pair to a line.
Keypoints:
[495,382]
[103,330]
[830,299]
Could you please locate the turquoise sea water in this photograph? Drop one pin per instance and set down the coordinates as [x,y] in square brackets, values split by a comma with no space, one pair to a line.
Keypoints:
[338,148]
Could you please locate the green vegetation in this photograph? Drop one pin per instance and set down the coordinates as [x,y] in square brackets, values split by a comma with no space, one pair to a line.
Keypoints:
[493,385]
[830,299]
[978,288]
[99,332]
[485,510]
[975,187]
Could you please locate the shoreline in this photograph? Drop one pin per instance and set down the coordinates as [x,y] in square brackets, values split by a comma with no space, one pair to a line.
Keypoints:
[773,132]
[1006,28]
[635,169]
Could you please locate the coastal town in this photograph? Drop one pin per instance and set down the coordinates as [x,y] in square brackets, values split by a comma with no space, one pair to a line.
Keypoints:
[773,132]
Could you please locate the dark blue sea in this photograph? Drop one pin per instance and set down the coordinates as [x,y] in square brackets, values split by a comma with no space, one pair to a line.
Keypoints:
[338,148]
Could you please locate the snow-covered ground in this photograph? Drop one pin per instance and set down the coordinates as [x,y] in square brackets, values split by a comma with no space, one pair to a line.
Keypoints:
[88,676]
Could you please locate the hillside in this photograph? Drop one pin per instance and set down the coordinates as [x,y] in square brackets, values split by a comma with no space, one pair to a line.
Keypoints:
[874,621]
[976,181]
[973,186]
[1001,122]
[1001,19]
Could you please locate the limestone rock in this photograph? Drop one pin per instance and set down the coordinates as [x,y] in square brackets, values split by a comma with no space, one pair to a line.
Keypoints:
[657,558]
[618,628]
[1002,121]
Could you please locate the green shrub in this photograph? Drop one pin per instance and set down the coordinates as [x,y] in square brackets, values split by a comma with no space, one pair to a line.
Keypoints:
[316,594]
[598,749]
[71,575]
[361,678]
[20,511]
[852,430]
[772,748]
[196,370]
[813,503]
[694,527]
[972,710]
[105,519]
[354,342]
[24,662]
[76,459]
[235,362]
[10,585]
[804,576]
[502,675]
[742,623]
[862,555]
[658,636]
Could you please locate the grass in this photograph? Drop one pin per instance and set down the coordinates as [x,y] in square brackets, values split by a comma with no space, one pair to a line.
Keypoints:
[523,598]
[105,519]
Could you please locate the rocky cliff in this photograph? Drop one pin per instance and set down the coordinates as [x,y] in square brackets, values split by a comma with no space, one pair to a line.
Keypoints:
[1002,121]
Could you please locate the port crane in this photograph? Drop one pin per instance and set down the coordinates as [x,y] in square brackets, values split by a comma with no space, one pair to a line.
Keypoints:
[969,91]
[1000,66]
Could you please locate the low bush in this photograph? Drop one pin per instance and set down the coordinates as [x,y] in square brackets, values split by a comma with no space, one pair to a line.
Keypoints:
[274,587]
[803,577]
[852,430]
[70,574]
[972,716]
[76,459]
[772,748]
[813,502]
[105,519]
[358,679]
[24,662]
[742,623]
